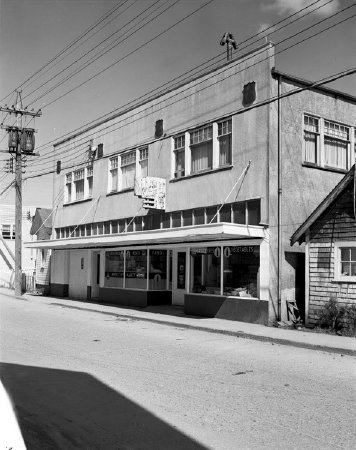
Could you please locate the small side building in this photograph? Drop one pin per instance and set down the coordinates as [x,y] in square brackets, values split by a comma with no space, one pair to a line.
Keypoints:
[42,228]
[329,234]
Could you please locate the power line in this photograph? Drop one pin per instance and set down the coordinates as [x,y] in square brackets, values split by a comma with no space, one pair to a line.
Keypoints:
[218,56]
[228,76]
[77,39]
[265,102]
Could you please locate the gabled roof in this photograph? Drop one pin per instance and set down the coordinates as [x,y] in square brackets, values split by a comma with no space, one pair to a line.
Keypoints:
[42,217]
[299,235]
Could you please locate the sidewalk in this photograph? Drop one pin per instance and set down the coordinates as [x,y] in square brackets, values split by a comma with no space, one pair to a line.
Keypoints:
[174,316]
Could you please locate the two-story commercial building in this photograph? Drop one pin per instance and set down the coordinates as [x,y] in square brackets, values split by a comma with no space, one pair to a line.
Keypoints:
[236,171]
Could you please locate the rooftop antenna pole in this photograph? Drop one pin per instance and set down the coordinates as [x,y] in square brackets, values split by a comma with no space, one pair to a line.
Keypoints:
[230,42]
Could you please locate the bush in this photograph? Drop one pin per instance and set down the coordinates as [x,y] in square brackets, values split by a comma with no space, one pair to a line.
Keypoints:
[350,316]
[331,315]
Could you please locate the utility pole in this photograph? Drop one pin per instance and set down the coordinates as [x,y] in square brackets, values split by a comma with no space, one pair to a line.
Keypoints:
[21,141]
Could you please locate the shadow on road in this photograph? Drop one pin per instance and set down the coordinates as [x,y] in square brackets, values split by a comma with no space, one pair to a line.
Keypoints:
[59,409]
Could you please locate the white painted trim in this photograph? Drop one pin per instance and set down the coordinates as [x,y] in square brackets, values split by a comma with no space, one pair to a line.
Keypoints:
[306,271]
[337,262]
[166,236]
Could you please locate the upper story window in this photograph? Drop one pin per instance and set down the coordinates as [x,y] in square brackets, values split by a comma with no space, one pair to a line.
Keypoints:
[209,147]
[336,143]
[143,166]
[201,147]
[78,176]
[179,156]
[113,175]
[225,144]
[78,185]
[128,169]
[326,143]
[311,139]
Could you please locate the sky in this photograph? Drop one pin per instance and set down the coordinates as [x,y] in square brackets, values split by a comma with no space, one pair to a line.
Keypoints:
[33,32]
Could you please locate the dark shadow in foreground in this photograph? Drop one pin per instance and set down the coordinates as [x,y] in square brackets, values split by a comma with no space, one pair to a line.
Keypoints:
[60,409]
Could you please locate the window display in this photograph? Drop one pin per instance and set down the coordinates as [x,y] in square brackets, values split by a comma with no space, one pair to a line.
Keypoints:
[241,268]
[136,269]
[158,270]
[114,269]
[205,270]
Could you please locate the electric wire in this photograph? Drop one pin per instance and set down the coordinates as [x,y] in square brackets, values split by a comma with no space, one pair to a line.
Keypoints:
[180,99]
[211,59]
[77,39]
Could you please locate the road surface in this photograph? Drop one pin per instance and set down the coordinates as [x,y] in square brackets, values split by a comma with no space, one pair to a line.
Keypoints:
[82,379]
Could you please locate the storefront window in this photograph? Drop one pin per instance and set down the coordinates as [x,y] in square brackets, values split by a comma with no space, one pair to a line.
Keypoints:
[136,269]
[241,268]
[205,270]
[158,270]
[114,269]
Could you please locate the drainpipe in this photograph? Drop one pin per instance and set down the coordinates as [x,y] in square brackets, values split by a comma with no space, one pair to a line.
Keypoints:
[279,206]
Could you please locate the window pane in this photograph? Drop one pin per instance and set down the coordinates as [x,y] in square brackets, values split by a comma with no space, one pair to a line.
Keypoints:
[353,269]
[114,269]
[239,212]
[211,213]
[90,186]
[225,150]
[128,176]
[253,212]
[353,254]
[100,228]
[345,254]
[156,220]
[82,230]
[310,147]
[205,267]
[241,266]
[180,164]
[346,269]
[107,227]
[225,214]
[187,218]
[166,220]
[88,230]
[144,168]
[202,156]
[199,218]
[136,269]
[122,225]
[158,270]
[79,189]
[114,226]
[176,219]
[129,225]
[138,223]
[335,153]
[113,175]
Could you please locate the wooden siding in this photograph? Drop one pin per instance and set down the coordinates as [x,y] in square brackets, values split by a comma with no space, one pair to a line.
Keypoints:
[336,225]
[42,267]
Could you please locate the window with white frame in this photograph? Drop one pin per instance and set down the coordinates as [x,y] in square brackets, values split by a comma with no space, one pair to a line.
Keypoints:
[128,169]
[336,145]
[78,185]
[201,147]
[311,139]
[143,162]
[225,142]
[90,180]
[68,188]
[345,264]
[326,143]
[113,174]
[179,156]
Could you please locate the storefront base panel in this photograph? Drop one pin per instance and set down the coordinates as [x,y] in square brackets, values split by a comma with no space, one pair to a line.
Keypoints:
[138,298]
[59,290]
[239,309]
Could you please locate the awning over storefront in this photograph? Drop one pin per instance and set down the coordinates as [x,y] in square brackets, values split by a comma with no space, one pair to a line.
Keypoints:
[196,233]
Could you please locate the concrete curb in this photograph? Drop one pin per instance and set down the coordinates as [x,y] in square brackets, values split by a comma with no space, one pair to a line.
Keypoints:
[239,334]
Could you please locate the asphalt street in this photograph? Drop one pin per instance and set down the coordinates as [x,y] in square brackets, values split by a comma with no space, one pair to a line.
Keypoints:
[81,379]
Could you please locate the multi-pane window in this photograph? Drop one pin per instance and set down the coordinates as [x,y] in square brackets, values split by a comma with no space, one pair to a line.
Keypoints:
[128,169]
[78,177]
[311,139]
[6,231]
[143,162]
[201,147]
[113,181]
[348,262]
[336,145]
[179,156]
[90,180]
[225,142]
[68,188]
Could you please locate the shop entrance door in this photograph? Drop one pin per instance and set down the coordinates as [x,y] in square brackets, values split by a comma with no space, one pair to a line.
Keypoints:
[179,276]
[95,275]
